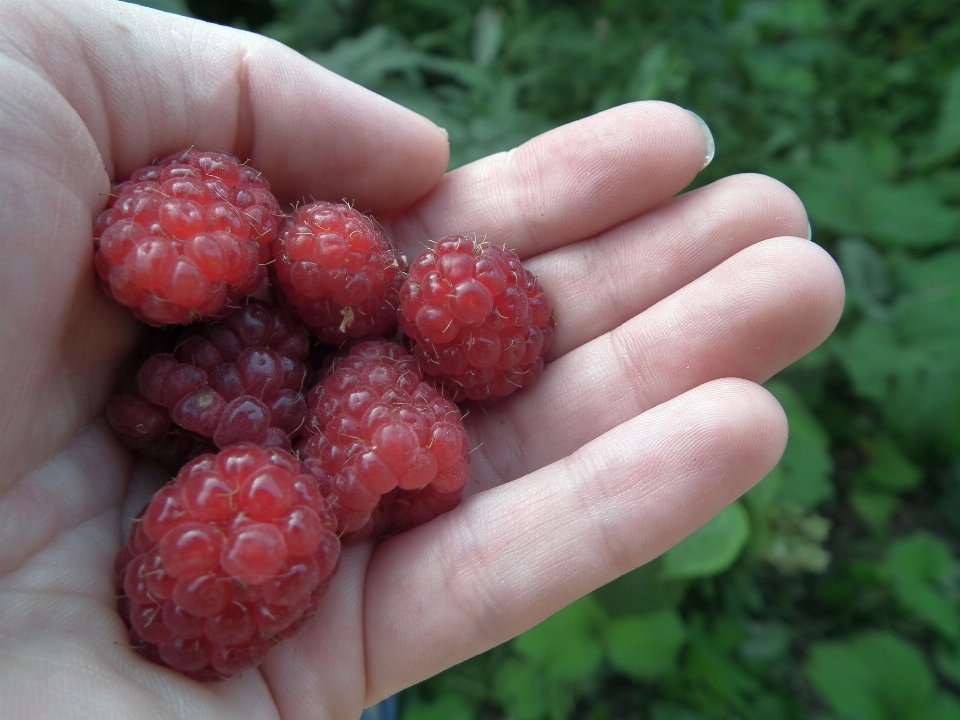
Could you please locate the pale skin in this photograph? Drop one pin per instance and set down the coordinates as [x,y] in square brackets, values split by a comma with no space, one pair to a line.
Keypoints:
[648,421]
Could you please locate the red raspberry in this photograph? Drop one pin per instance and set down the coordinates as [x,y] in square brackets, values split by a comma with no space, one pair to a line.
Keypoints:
[227,560]
[148,429]
[338,272]
[373,426]
[181,238]
[237,380]
[403,510]
[481,322]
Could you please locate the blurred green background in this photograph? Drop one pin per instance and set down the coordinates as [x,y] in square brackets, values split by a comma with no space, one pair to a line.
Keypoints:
[832,590]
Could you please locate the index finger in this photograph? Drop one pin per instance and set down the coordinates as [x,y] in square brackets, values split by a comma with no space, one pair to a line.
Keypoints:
[566,184]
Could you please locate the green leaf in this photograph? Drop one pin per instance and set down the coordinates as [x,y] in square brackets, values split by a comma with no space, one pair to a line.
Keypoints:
[764,493]
[930,309]
[766,642]
[848,194]
[948,184]
[946,139]
[640,592]
[890,469]
[826,194]
[871,356]
[874,676]
[934,272]
[479,110]
[669,711]
[908,215]
[876,507]
[919,567]
[645,647]
[774,70]
[447,707]
[917,385]
[929,315]
[806,465]
[709,666]
[522,690]
[943,707]
[566,645]
[711,549]
[866,275]
[948,662]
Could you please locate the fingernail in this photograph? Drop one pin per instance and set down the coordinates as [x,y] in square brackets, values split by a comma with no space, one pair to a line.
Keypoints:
[809,231]
[709,144]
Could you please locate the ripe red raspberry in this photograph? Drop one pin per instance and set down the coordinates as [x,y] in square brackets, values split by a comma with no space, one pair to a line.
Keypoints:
[481,322]
[237,380]
[181,238]
[338,272]
[403,510]
[148,429]
[227,560]
[373,426]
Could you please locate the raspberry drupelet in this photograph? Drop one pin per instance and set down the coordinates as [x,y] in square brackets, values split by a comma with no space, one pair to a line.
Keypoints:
[185,236]
[227,560]
[375,428]
[338,273]
[480,321]
[241,379]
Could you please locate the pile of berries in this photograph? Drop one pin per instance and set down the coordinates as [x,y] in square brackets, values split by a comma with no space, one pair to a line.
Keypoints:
[302,389]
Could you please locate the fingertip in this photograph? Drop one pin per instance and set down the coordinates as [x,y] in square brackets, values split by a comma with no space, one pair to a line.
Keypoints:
[689,138]
[709,145]
[773,428]
[743,422]
[822,282]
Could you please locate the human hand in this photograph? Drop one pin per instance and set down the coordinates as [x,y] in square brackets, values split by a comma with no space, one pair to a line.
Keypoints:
[637,433]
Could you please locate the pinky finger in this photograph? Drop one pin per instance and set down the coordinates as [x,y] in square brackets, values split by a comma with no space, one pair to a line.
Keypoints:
[512,556]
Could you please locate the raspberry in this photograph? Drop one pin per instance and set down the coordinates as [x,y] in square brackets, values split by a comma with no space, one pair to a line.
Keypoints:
[237,380]
[338,272]
[226,560]
[402,510]
[480,321]
[373,427]
[181,238]
[148,429]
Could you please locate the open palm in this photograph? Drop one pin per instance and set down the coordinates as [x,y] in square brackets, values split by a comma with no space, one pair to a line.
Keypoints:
[646,423]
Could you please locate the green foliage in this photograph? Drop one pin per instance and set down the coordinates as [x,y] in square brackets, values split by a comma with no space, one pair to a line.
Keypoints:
[849,191]
[878,676]
[645,647]
[832,589]
[926,581]
[526,691]
[447,707]
[946,139]
[567,645]
[711,549]
[890,472]
[479,112]
[806,464]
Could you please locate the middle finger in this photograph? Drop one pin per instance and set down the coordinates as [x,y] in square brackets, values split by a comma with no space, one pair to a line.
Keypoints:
[750,317]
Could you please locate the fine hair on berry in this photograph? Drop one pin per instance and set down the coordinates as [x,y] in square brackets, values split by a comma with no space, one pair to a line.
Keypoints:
[185,236]
[480,322]
[227,560]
